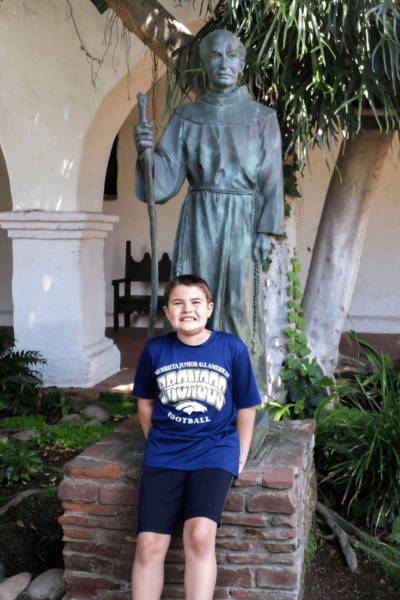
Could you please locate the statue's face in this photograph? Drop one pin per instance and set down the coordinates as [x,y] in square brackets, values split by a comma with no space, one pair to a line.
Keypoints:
[222,62]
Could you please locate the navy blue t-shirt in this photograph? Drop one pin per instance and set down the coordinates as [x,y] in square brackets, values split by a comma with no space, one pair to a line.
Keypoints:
[197,390]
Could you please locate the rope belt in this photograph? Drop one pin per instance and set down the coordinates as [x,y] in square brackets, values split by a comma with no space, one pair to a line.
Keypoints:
[215,191]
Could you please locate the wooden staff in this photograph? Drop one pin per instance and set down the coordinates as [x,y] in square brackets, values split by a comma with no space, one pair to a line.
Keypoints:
[151,207]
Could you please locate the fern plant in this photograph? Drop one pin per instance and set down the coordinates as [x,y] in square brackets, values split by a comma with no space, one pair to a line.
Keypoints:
[19,379]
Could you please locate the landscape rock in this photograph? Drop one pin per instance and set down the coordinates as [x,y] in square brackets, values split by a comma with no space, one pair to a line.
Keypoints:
[48,586]
[73,419]
[88,395]
[13,587]
[77,403]
[24,436]
[97,412]
[94,422]
[4,439]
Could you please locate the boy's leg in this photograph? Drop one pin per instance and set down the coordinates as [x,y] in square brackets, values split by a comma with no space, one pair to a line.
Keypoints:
[201,567]
[205,495]
[160,497]
[148,568]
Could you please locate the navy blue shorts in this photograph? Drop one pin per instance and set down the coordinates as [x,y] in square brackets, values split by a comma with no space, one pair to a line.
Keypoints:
[166,495]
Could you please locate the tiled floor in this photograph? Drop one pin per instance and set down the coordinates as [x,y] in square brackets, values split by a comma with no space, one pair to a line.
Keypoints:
[131,341]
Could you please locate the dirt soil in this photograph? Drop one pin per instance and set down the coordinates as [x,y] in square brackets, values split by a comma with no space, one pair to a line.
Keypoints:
[30,535]
[331,579]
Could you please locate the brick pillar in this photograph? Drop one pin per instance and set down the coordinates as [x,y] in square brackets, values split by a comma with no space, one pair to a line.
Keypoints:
[260,545]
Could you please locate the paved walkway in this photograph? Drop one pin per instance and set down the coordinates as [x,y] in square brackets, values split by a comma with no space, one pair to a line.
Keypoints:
[131,341]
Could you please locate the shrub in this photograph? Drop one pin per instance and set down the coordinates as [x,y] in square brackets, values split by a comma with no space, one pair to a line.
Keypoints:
[358,454]
[366,380]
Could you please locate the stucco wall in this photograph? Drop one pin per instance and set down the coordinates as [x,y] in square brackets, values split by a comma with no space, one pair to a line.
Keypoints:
[6,260]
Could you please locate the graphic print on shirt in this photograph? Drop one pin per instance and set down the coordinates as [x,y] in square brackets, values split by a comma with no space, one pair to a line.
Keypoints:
[185,384]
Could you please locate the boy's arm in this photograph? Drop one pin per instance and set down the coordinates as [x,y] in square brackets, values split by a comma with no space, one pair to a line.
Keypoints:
[145,410]
[245,424]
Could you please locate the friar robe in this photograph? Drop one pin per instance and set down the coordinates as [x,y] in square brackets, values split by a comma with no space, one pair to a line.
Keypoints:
[229,149]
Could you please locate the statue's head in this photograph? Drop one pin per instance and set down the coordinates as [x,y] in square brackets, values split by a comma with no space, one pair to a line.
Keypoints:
[222,58]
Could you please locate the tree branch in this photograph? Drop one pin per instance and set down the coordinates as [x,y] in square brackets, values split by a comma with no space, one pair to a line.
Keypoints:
[153,25]
[17,499]
[336,522]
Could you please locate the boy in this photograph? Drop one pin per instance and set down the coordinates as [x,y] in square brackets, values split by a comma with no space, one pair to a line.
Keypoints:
[196,401]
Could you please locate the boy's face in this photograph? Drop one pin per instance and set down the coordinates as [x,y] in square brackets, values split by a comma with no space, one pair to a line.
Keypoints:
[188,310]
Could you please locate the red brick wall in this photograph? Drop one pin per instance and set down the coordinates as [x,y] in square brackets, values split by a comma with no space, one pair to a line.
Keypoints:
[260,545]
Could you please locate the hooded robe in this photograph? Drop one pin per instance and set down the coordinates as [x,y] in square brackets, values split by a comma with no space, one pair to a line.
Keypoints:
[229,149]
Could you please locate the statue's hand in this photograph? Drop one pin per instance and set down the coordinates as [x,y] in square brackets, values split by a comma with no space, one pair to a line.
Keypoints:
[143,136]
[261,247]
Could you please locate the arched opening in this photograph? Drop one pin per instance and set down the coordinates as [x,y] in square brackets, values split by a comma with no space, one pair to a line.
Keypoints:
[6,257]
[133,223]
[117,115]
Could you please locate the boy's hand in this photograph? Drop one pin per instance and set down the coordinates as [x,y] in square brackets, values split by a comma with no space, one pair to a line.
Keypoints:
[241,465]
[145,410]
[245,423]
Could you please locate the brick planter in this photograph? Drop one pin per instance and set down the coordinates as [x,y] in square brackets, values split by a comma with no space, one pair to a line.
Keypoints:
[260,545]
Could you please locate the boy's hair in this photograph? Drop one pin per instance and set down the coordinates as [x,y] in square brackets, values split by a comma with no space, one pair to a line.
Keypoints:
[189,280]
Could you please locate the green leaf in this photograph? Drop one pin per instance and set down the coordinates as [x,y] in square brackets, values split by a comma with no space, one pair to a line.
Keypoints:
[295,306]
[287,374]
[302,338]
[395,572]
[290,290]
[293,317]
[297,294]
[266,264]
[297,268]
[301,323]
[304,351]
[293,278]
[293,362]
[395,534]
[292,333]
[325,381]
[293,346]
[322,405]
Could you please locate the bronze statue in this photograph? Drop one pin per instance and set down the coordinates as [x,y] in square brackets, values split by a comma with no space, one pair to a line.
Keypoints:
[229,148]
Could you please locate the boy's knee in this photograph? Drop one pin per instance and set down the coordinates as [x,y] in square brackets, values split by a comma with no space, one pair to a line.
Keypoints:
[200,539]
[151,546]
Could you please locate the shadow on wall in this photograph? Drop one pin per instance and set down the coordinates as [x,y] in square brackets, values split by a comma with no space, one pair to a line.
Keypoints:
[6,259]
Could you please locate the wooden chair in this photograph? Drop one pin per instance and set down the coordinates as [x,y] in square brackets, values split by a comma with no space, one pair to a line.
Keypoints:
[137,271]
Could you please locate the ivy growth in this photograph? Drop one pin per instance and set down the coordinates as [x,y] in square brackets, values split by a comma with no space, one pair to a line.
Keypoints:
[301,376]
